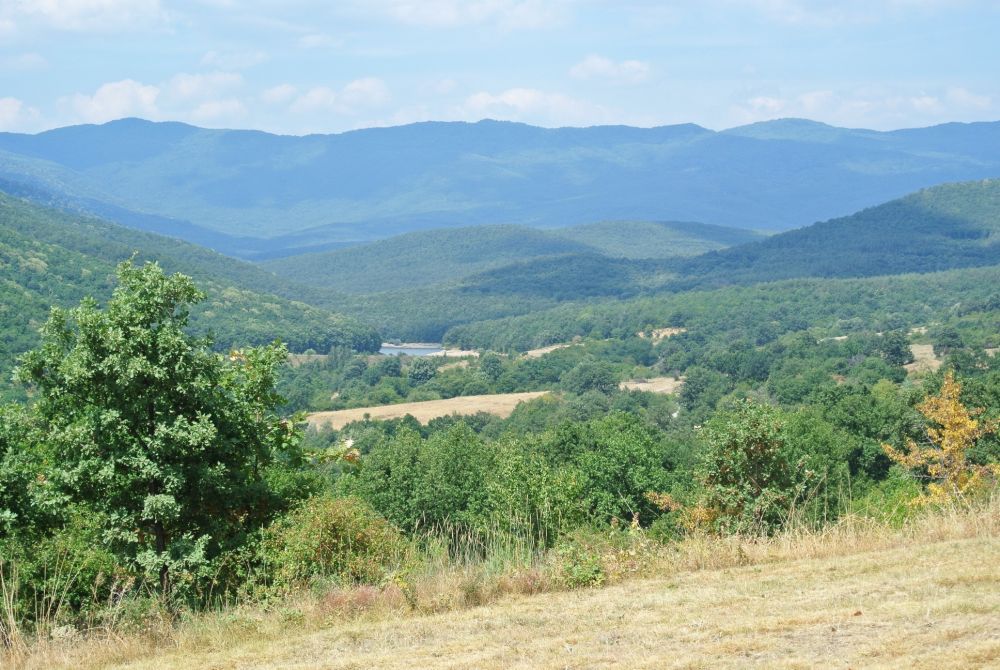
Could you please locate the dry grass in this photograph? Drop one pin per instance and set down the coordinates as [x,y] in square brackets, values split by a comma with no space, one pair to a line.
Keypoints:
[654,384]
[499,404]
[659,334]
[541,351]
[857,594]
[924,359]
[456,353]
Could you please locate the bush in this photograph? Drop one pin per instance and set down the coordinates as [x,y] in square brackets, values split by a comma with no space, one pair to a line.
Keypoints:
[340,539]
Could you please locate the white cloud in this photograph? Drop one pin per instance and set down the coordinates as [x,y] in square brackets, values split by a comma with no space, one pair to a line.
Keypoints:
[229,109]
[367,92]
[868,107]
[508,14]
[599,67]
[116,100]
[86,15]
[184,86]
[15,115]
[233,60]
[533,106]
[7,27]
[278,94]
[966,99]
[359,94]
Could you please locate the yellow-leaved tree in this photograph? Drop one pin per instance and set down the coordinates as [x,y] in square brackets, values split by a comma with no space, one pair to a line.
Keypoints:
[945,457]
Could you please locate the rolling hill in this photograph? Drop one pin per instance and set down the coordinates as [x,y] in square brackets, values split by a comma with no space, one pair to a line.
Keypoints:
[231,189]
[446,255]
[49,257]
[940,228]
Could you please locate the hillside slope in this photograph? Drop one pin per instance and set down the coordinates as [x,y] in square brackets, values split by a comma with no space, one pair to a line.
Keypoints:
[939,228]
[48,257]
[373,183]
[870,609]
[445,255]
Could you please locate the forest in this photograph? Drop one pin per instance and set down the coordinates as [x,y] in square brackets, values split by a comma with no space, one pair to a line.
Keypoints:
[155,447]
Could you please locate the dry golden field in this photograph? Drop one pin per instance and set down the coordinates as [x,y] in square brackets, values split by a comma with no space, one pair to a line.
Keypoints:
[499,404]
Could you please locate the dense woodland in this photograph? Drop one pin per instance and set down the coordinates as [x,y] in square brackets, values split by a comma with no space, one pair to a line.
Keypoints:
[155,443]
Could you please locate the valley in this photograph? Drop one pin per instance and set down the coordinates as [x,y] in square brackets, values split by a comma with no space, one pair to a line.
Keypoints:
[521,418]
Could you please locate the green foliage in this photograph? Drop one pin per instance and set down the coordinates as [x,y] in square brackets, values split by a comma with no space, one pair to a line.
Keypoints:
[339,539]
[590,375]
[166,441]
[750,481]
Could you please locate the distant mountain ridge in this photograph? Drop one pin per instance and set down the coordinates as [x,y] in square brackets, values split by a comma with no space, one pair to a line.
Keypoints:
[232,188]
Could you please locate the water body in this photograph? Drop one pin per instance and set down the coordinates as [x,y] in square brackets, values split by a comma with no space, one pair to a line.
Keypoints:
[410,349]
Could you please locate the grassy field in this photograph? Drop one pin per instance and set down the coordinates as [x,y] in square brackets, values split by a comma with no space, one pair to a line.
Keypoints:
[855,595]
[499,404]
[933,606]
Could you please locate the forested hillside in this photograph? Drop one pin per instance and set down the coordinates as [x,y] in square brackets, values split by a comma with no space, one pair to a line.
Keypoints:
[369,184]
[51,258]
[448,255]
[936,229]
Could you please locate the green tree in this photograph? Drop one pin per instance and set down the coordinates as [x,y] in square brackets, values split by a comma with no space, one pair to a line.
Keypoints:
[749,479]
[167,442]
[590,375]
[491,366]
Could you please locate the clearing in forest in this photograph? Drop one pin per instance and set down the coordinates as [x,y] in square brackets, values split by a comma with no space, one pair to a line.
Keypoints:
[654,384]
[498,404]
[924,359]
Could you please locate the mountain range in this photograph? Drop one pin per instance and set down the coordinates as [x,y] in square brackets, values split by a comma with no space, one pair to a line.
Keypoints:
[255,195]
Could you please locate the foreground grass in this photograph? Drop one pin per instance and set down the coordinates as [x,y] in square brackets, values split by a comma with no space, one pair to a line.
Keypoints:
[858,594]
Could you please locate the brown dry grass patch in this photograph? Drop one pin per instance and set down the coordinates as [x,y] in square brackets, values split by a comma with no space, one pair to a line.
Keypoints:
[654,384]
[498,404]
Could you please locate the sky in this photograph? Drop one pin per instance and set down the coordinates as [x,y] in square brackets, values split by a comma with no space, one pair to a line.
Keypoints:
[312,66]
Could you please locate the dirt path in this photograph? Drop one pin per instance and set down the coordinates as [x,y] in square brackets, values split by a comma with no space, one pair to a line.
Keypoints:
[501,404]
[933,606]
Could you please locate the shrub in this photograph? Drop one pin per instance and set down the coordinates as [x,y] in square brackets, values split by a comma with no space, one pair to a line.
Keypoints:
[341,539]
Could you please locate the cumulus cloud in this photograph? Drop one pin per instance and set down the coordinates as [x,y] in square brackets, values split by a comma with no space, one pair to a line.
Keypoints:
[184,86]
[357,95]
[871,108]
[115,100]
[599,67]
[90,15]
[212,111]
[278,94]
[15,115]
[533,106]
[198,98]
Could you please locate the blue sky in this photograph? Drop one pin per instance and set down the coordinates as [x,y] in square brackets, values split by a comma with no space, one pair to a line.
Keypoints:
[301,66]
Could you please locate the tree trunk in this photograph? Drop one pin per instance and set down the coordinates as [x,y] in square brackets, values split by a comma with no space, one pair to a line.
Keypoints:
[161,547]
